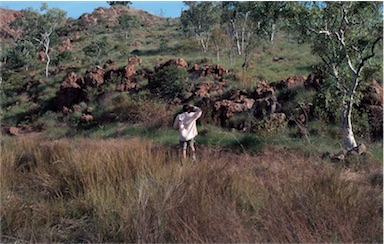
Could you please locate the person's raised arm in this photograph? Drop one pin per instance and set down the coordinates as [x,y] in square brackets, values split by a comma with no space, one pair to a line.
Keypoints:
[197,112]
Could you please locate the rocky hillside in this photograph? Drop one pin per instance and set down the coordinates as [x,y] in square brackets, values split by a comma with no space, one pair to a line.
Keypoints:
[78,87]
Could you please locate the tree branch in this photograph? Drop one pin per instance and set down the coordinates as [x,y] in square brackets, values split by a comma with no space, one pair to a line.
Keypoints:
[371,55]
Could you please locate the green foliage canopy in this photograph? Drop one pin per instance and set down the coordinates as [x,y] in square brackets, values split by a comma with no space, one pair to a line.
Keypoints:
[125,3]
[39,28]
[346,36]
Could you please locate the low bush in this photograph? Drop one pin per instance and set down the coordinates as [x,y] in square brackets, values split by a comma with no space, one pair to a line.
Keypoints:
[170,82]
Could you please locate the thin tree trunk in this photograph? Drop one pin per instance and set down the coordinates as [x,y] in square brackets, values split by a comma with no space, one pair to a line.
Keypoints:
[47,54]
[273,32]
[243,31]
[346,119]
[236,34]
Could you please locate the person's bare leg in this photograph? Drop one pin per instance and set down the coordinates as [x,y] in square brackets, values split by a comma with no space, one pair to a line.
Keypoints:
[184,153]
[193,151]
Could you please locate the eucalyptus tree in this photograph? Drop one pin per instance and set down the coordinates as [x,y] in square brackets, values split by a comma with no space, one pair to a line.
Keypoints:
[200,19]
[98,48]
[346,36]
[39,27]
[231,19]
[268,16]
[219,41]
[249,23]
[126,24]
[19,56]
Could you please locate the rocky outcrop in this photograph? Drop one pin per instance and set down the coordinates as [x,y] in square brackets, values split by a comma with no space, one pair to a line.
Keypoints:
[315,79]
[375,120]
[94,77]
[215,71]
[373,94]
[71,91]
[208,89]
[180,63]
[373,103]
[66,45]
[292,81]
[13,131]
[342,155]
[129,75]
[6,17]
[263,90]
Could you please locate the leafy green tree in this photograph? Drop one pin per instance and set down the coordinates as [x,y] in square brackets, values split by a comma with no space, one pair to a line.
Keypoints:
[97,49]
[268,15]
[126,24]
[200,19]
[125,3]
[219,40]
[346,36]
[61,57]
[22,55]
[39,27]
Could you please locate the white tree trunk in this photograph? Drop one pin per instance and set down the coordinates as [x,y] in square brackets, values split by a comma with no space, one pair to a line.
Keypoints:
[346,117]
[243,30]
[46,45]
[346,121]
[236,34]
[273,32]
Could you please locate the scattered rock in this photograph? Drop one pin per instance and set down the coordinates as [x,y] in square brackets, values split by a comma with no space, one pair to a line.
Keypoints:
[278,59]
[263,90]
[86,117]
[340,156]
[373,94]
[315,79]
[109,63]
[13,131]
[361,149]
[94,77]
[292,81]
[215,71]
[180,63]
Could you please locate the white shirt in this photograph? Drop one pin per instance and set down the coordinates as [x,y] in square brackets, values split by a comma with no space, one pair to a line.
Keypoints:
[186,124]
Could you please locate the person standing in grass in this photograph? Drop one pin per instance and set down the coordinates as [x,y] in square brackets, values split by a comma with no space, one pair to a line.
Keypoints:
[185,122]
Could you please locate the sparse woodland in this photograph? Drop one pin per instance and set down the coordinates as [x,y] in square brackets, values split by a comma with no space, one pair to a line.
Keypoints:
[290,144]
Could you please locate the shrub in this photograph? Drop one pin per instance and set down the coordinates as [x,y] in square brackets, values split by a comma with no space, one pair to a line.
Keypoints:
[170,82]
[124,108]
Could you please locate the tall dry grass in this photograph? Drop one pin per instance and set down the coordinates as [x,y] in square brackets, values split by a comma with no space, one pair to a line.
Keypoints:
[130,190]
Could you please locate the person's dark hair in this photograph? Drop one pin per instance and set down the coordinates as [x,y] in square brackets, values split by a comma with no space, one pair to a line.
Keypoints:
[188,108]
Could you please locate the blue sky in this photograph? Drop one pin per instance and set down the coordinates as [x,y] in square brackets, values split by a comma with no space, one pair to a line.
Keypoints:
[75,9]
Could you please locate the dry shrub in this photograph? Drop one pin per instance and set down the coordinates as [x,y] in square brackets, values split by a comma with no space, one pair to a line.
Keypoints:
[147,112]
[129,190]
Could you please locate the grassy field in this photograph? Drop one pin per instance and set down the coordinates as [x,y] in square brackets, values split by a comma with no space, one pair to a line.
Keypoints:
[137,190]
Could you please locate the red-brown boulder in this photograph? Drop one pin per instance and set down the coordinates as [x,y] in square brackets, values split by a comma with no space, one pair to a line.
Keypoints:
[216,71]
[375,119]
[180,63]
[13,131]
[315,79]
[94,77]
[65,45]
[292,81]
[72,80]
[109,63]
[373,94]
[263,90]
[71,92]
